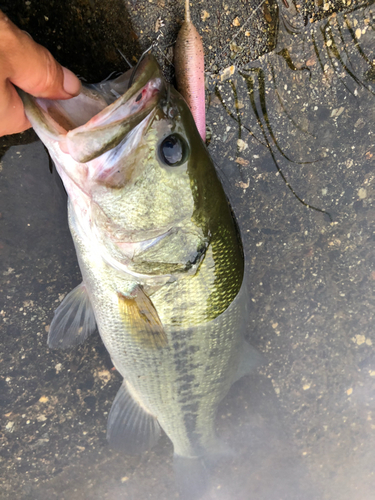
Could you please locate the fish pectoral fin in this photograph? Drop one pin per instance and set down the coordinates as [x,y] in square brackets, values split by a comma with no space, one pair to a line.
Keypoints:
[141,318]
[73,321]
[131,428]
[250,360]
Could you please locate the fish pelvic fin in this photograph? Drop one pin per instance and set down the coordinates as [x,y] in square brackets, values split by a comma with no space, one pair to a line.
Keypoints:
[131,428]
[142,319]
[73,321]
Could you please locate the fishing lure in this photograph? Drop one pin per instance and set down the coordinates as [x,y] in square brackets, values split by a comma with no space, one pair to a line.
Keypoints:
[189,64]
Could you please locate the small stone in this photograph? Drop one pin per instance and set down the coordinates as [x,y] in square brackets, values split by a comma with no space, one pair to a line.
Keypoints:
[349,391]
[159,24]
[306,387]
[242,145]
[358,33]
[337,112]
[311,61]
[205,15]
[10,426]
[235,48]
[243,185]
[236,22]
[360,123]
[359,339]
[242,161]
[227,73]
[362,193]
[104,375]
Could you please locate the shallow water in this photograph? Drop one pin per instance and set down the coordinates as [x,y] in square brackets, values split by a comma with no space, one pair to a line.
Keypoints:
[303,426]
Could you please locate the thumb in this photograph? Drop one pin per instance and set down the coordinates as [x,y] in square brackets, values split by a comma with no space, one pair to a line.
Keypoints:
[32,67]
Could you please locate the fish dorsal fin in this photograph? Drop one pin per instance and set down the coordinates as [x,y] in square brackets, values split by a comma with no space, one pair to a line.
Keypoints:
[141,318]
[131,428]
[73,321]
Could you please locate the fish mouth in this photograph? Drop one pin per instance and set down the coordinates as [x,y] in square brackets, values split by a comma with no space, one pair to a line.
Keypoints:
[97,120]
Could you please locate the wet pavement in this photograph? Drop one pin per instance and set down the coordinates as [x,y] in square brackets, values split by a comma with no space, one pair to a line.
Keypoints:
[303,426]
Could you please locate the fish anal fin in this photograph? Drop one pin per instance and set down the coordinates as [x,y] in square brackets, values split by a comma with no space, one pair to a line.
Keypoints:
[73,321]
[142,319]
[131,428]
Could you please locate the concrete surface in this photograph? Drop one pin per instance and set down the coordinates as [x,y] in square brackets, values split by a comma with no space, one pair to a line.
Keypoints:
[303,427]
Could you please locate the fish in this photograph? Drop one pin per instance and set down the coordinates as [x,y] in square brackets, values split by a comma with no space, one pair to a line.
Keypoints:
[161,259]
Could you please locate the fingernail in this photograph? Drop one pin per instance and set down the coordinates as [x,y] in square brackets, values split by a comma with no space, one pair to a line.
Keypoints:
[71,83]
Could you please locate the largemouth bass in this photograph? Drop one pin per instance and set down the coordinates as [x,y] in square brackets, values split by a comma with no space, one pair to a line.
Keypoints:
[161,261]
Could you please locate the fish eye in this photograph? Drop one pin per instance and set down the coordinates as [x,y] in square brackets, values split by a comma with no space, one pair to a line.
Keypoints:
[173,150]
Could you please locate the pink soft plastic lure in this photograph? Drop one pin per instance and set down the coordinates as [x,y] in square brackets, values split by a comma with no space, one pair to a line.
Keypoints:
[189,63]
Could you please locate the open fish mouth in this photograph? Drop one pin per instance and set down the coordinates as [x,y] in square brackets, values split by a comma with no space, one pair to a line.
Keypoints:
[97,120]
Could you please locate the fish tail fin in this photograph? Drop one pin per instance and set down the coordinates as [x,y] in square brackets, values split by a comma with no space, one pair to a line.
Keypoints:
[220,451]
[191,476]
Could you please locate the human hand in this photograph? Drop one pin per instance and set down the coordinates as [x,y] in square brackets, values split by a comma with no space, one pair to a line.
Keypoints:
[32,68]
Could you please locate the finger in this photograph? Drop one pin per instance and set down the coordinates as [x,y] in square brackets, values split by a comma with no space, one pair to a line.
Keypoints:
[32,67]
[12,115]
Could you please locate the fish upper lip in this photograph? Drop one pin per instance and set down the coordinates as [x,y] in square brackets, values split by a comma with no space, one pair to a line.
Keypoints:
[119,109]
[107,129]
